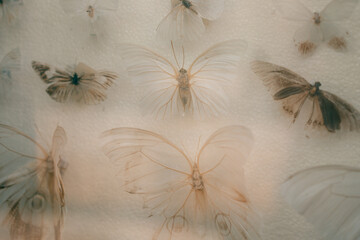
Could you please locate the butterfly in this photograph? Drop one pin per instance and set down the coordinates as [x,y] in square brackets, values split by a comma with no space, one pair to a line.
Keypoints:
[90,9]
[328,110]
[205,194]
[175,90]
[78,82]
[31,187]
[10,63]
[9,10]
[318,26]
[329,197]
[185,21]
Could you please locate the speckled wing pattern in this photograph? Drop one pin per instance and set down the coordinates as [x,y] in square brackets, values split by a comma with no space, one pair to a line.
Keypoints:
[79,83]
[32,195]
[205,196]
[329,197]
[293,91]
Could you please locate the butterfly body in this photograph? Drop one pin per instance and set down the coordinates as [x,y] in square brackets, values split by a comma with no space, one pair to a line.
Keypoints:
[91,11]
[186,3]
[184,89]
[317,18]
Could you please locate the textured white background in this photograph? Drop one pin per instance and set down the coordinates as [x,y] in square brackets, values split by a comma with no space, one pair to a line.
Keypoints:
[97,206]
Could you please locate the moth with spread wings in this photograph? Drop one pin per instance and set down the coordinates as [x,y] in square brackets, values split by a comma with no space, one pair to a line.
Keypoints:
[185,21]
[174,90]
[318,26]
[10,63]
[31,187]
[294,91]
[329,197]
[205,196]
[79,82]
[9,10]
[90,9]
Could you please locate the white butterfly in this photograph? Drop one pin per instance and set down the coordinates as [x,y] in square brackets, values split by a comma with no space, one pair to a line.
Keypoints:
[78,82]
[185,21]
[31,187]
[10,63]
[90,9]
[174,90]
[318,26]
[205,195]
[329,197]
[9,10]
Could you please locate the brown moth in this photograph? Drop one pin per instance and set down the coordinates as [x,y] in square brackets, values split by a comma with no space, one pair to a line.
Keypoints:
[203,195]
[79,82]
[328,110]
[32,194]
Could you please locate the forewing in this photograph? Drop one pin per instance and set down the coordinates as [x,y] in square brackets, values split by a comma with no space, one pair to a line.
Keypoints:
[293,10]
[74,8]
[338,10]
[152,167]
[11,10]
[329,197]
[209,9]
[181,24]
[27,195]
[156,76]
[108,5]
[338,113]
[221,161]
[10,63]
[211,73]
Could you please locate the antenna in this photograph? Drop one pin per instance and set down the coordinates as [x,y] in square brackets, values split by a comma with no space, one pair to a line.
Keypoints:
[173,50]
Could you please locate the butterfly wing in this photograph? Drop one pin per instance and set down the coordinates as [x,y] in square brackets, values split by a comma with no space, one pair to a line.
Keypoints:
[284,85]
[308,37]
[337,113]
[209,9]
[210,73]
[28,193]
[107,5]
[181,24]
[10,63]
[155,169]
[221,161]
[11,10]
[75,8]
[157,76]
[329,197]
[338,10]
[293,10]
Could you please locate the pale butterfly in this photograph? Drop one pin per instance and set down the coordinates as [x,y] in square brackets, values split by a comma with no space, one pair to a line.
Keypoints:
[90,9]
[318,26]
[9,64]
[197,90]
[185,20]
[78,82]
[204,195]
[329,197]
[10,10]
[327,109]
[31,189]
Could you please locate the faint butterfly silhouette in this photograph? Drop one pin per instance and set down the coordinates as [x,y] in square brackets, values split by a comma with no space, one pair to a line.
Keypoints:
[205,195]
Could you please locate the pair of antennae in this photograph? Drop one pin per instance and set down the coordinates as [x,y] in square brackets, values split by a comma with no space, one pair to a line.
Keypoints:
[183,53]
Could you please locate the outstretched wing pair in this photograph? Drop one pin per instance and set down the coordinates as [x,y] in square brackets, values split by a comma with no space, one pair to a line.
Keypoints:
[205,195]
[329,197]
[318,26]
[328,110]
[170,89]
[79,82]
[185,20]
[31,187]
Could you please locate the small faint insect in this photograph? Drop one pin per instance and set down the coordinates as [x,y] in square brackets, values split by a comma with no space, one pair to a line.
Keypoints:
[206,194]
[9,10]
[90,9]
[31,188]
[318,26]
[79,82]
[196,90]
[293,91]
[329,197]
[10,63]
[185,21]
